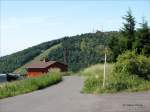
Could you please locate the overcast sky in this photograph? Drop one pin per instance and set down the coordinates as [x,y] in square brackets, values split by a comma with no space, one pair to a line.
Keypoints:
[27,23]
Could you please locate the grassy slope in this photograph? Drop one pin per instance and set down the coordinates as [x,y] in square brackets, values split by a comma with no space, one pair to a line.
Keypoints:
[37,58]
[46,52]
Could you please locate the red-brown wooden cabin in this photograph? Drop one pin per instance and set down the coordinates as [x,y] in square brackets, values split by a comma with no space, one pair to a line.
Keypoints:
[38,68]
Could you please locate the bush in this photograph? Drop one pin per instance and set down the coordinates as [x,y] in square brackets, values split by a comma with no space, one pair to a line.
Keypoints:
[121,81]
[128,74]
[131,72]
[29,84]
[133,64]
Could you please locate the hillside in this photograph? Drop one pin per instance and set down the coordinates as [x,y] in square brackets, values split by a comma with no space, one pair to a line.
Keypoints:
[89,45]
[11,62]
[44,54]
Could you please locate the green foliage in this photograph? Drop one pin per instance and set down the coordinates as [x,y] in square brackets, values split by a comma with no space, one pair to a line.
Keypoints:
[11,62]
[125,38]
[130,38]
[128,30]
[115,81]
[117,44]
[90,46]
[142,42]
[94,70]
[82,50]
[126,82]
[94,77]
[134,64]
[68,73]
[44,54]
[91,84]
[131,72]
[29,84]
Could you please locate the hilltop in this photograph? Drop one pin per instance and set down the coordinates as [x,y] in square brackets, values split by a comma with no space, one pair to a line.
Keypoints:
[89,45]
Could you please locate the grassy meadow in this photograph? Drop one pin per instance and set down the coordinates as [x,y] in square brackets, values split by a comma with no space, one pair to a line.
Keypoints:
[29,84]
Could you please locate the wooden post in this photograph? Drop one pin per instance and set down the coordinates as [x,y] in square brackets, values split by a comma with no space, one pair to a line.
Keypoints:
[104,76]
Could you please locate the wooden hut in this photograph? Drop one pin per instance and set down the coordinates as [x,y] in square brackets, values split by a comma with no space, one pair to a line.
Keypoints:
[38,68]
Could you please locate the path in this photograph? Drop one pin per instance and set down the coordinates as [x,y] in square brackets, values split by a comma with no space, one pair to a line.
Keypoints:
[66,97]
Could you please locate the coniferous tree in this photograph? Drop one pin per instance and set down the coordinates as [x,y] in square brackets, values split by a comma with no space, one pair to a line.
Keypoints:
[128,30]
[142,43]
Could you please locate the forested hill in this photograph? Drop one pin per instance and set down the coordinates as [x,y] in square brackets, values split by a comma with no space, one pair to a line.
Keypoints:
[80,51]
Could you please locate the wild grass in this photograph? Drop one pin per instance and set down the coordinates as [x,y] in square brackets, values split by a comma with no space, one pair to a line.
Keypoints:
[94,77]
[114,82]
[96,70]
[29,84]
[68,73]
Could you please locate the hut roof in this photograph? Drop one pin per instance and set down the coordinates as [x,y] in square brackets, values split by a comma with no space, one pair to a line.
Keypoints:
[40,64]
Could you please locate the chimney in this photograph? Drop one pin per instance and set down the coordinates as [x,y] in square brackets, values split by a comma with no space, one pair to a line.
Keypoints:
[45,60]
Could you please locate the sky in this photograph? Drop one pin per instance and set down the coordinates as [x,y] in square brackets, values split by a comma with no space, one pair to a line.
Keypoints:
[27,23]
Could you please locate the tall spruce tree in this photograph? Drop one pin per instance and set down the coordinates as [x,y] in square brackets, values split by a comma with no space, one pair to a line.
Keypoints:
[142,42]
[128,30]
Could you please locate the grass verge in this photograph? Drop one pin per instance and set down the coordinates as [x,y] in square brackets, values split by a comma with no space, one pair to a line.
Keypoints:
[114,82]
[29,84]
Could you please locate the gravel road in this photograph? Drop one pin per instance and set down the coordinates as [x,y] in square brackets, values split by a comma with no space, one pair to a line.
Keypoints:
[66,97]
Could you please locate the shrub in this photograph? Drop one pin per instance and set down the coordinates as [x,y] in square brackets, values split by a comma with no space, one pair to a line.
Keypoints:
[29,84]
[121,81]
[130,72]
[119,78]
[133,64]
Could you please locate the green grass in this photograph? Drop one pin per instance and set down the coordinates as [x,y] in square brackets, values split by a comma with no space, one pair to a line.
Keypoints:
[93,77]
[68,73]
[114,82]
[95,70]
[29,84]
